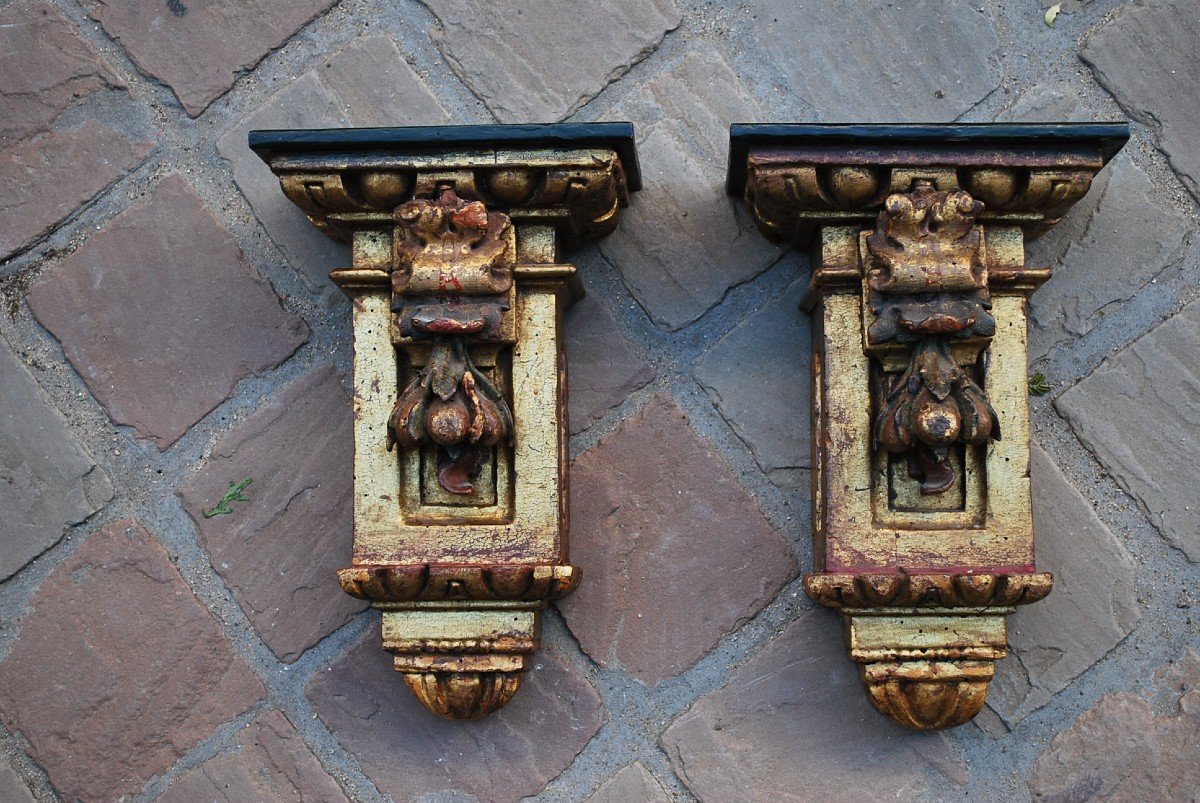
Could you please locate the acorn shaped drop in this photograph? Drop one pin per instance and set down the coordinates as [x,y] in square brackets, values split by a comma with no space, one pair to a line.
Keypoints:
[448,422]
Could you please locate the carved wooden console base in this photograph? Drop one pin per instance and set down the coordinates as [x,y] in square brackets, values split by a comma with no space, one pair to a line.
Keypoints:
[923,533]
[460,464]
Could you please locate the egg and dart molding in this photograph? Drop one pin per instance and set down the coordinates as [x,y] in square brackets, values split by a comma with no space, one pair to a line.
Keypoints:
[922,524]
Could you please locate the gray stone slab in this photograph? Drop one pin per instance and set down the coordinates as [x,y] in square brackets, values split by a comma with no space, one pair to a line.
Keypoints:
[858,61]
[633,784]
[49,482]
[12,788]
[537,61]
[684,242]
[604,367]
[758,376]
[367,84]
[280,551]
[1145,55]
[1051,102]
[657,515]
[161,314]
[1139,413]
[1124,233]
[1093,606]
[793,724]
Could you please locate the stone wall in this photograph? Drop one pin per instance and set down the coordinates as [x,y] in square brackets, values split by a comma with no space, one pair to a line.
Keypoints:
[167,329]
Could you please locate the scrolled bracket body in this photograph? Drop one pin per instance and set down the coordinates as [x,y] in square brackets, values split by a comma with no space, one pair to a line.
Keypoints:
[460,490]
[922,522]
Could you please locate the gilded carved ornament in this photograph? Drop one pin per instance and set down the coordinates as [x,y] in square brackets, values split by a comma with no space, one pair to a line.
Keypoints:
[460,489]
[922,522]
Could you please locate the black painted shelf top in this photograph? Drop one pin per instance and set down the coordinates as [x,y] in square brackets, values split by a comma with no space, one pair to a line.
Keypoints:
[617,136]
[1108,137]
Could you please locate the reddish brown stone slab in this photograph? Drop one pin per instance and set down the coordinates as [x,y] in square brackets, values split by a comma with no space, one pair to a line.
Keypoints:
[1121,749]
[48,176]
[604,366]
[49,482]
[270,762]
[793,724]
[119,670]
[161,314]
[677,553]
[280,551]
[199,47]
[409,752]
[44,68]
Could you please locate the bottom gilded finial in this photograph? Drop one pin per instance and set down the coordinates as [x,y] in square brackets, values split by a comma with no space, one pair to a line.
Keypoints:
[928,695]
[926,645]
[463,695]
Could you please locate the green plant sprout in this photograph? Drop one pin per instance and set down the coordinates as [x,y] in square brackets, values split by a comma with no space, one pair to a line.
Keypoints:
[235,493]
[1039,385]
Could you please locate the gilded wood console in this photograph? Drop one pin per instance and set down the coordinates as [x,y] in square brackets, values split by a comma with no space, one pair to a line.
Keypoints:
[458,290]
[923,535]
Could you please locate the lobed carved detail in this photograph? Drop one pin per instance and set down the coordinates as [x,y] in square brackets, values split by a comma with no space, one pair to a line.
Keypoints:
[463,695]
[430,582]
[928,695]
[903,590]
[582,196]
[791,198]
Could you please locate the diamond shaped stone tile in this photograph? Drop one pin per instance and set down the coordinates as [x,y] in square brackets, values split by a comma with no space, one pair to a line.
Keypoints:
[875,61]
[604,366]
[759,377]
[199,49]
[270,762]
[793,723]
[161,314]
[677,553]
[1145,55]
[1093,606]
[1128,747]
[54,153]
[368,83]
[279,552]
[537,61]
[633,783]
[684,242]
[50,483]
[118,670]
[1139,413]
[45,68]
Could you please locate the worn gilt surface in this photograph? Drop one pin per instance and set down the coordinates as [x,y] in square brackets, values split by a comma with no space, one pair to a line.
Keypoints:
[460,504]
[922,521]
